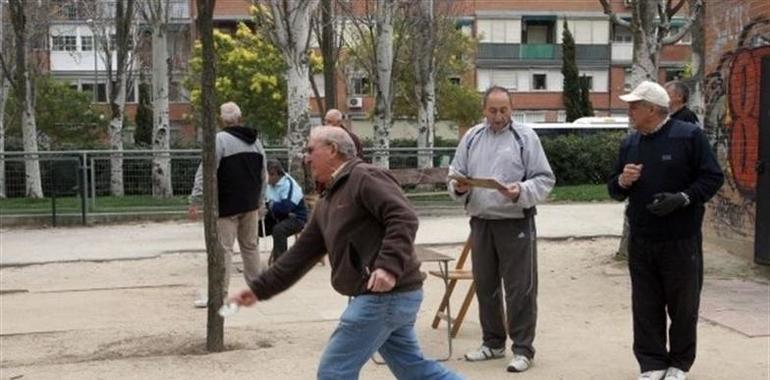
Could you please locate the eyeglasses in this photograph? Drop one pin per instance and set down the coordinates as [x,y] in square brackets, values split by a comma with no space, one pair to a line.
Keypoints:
[309,149]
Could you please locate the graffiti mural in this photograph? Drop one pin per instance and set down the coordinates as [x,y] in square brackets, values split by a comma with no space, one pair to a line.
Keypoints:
[731,94]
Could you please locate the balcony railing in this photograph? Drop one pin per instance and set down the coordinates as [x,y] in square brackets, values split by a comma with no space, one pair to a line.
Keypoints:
[494,53]
[537,51]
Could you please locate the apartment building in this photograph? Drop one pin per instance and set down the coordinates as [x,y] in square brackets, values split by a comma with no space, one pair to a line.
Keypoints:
[519,48]
[75,55]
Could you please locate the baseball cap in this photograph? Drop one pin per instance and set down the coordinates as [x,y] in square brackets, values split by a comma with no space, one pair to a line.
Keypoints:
[648,91]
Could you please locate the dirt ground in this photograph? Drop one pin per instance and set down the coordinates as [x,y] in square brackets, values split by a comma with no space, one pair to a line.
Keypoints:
[134,320]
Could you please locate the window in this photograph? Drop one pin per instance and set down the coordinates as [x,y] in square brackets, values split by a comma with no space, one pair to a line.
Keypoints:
[131,94]
[360,86]
[454,80]
[64,43]
[87,88]
[101,92]
[538,82]
[674,74]
[622,35]
[86,43]
[589,80]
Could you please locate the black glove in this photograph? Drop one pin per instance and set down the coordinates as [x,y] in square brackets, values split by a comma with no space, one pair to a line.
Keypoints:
[666,203]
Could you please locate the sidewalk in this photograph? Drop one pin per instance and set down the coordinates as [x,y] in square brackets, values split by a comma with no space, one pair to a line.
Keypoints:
[133,318]
[145,240]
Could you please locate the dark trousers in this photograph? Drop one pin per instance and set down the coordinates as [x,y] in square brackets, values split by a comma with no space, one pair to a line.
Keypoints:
[665,277]
[506,249]
[281,232]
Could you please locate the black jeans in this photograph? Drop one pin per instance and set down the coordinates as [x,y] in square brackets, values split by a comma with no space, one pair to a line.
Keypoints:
[281,232]
[666,276]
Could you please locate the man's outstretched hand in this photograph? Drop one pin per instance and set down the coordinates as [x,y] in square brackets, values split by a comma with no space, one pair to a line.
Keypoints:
[244,297]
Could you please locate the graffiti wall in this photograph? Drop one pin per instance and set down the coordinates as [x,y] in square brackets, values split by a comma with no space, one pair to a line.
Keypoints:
[737,37]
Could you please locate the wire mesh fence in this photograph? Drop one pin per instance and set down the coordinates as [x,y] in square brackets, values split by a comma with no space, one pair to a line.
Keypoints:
[79,182]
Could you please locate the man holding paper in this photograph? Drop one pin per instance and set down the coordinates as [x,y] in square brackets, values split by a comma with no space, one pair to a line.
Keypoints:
[500,172]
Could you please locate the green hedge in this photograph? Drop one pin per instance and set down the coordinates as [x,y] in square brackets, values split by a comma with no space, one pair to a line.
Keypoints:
[579,159]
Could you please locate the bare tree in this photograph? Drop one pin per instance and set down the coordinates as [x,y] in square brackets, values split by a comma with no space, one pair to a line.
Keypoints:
[650,26]
[425,75]
[156,14]
[105,24]
[372,48]
[216,260]
[21,13]
[287,24]
[5,87]
[327,27]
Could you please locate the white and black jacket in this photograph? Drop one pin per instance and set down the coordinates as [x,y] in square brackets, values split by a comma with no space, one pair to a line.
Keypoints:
[241,172]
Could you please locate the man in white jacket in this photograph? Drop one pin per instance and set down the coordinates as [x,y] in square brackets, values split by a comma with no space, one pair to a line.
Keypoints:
[503,238]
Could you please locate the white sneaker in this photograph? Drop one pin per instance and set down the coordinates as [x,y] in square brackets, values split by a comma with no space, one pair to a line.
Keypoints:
[653,375]
[519,363]
[674,373]
[485,353]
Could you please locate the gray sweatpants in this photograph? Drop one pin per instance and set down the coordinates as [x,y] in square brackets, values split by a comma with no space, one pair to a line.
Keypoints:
[506,249]
[242,227]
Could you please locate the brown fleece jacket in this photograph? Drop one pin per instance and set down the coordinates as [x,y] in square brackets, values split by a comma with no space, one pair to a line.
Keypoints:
[365,222]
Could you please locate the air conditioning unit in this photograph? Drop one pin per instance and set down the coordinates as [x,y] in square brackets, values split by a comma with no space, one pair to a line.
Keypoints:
[355,102]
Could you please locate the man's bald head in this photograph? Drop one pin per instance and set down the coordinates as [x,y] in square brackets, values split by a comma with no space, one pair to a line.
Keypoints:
[333,118]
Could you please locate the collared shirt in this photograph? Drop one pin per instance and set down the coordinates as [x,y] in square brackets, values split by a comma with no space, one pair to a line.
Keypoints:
[338,170]
[482,152]
[657,128]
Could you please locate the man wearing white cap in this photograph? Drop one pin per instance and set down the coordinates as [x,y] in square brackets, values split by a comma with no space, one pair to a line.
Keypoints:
[667,171]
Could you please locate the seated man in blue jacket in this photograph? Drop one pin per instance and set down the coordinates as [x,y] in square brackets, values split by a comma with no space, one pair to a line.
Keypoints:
[286,205]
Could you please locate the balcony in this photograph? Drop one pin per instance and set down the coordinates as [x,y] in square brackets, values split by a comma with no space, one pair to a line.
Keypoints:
[491,55]
[538,51]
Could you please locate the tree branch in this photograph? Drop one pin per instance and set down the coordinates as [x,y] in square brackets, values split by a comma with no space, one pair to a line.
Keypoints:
[694,11]
[613,16]
[672,11]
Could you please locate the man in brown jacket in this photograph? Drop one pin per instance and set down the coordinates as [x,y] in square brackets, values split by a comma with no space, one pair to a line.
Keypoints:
[368,227]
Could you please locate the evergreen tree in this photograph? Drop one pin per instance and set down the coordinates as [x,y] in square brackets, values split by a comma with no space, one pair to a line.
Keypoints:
[571,87]
[586,107]
[143,121]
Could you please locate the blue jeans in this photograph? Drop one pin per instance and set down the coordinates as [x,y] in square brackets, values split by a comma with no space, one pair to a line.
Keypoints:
[384,323]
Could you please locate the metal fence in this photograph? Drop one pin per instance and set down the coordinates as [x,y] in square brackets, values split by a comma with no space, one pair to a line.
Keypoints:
[78,182]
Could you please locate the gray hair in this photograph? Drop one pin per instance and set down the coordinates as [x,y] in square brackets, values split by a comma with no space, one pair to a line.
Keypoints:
[336,136]
[494,89]
[230,113]
[680,89]
[274,167]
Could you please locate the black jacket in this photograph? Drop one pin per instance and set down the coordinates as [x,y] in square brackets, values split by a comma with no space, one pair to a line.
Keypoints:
[676,158]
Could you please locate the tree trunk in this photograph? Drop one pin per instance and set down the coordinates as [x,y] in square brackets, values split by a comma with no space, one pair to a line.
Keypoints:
[216,260]
[26,97]
[5,87]
[697,31]
[383,109]
[646,46]
[29,135]
[329,53]
[116,139]
[161,163]
[297,77]
[425,86]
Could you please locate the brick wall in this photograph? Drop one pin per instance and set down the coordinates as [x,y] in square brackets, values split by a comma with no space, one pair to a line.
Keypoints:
[737,34]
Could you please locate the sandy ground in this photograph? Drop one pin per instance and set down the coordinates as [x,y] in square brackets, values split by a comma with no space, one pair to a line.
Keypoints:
[134,320]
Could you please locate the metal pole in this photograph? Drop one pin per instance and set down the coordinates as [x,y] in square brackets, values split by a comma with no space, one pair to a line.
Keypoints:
[93,184]
[83,173]
[52,181]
